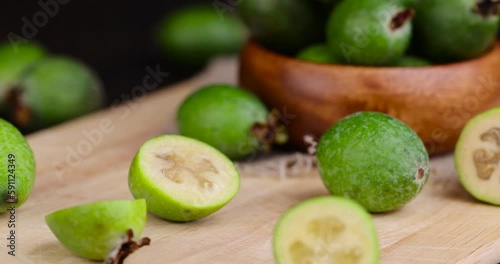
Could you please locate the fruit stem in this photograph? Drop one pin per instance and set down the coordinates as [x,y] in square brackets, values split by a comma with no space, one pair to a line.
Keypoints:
[271,132]
[487,7]
[401,18]
[126,247]
[21,114]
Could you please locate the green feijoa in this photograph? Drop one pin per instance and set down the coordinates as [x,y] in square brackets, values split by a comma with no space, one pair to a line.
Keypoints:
[182,179]
[283,25]
[56,89]
[101,230]
[14,60]
[319,53]
[326,229]
[374,159]
[476,157]
[223,116]
[367,32]
[193,35]
[18,164]
[466,32]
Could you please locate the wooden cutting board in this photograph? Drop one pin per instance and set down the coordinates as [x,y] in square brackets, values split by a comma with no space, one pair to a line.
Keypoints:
[442,225]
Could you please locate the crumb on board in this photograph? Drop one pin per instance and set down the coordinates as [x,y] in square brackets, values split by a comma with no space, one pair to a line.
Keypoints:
[282,166]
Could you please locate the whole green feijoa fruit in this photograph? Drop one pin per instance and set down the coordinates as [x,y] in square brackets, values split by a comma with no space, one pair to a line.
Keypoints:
[18,164]
[223,116]
[326,229]
[476,157]
[14,60]
[94,230]
[374,159]
[319,53]
[283,25]
[55,90]
[412,61]
[182,179]
[465,33]
[367,32]
[193,35]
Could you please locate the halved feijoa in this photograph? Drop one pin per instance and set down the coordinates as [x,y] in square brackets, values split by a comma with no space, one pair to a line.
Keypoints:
[326,229]
[477,156]
[182,179]
[101,229]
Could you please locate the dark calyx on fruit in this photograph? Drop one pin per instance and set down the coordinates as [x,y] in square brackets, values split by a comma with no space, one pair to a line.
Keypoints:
[270,133]
[127,247]
[401,18]
[487,8]
[21,114]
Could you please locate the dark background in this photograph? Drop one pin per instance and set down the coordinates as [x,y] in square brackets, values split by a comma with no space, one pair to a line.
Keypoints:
[116,38]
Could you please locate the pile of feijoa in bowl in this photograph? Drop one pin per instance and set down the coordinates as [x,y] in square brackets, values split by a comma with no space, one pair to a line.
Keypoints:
[374,33]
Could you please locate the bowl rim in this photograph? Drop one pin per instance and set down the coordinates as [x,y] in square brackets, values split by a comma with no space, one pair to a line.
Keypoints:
[494,50]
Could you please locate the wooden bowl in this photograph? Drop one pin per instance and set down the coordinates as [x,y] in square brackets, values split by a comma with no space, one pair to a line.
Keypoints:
[436,101]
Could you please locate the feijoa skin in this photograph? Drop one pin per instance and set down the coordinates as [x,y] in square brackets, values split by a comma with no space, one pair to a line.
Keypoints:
[56,89]
[477,157]
[467,32]
[326,229]
[367,32]
[282,25]
[374,159]
[19,168]
[223,116]
[93,230]
[193,35]
[14,60]
[319,53]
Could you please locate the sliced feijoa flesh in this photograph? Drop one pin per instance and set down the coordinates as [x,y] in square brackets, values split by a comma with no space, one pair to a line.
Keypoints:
[182,179]
[326,229]
[477,156]
[96,230]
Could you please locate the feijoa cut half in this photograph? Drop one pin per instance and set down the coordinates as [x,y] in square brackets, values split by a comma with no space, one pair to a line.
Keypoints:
[477,156]
[182,179]
[101,230]
[327,229]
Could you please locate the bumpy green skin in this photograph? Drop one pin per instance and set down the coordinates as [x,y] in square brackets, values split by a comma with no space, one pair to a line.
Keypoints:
[92,230]
[13,63]
[159,201]
[222,116]
[444,36]
[330,203]
[460,156]
[283,25]
[13,142]
[374,159]
[58,89]
[193,35]
[358,32]
[412,61]
[319,53]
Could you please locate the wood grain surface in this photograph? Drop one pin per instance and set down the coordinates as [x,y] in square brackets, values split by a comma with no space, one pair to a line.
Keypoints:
[442,225]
